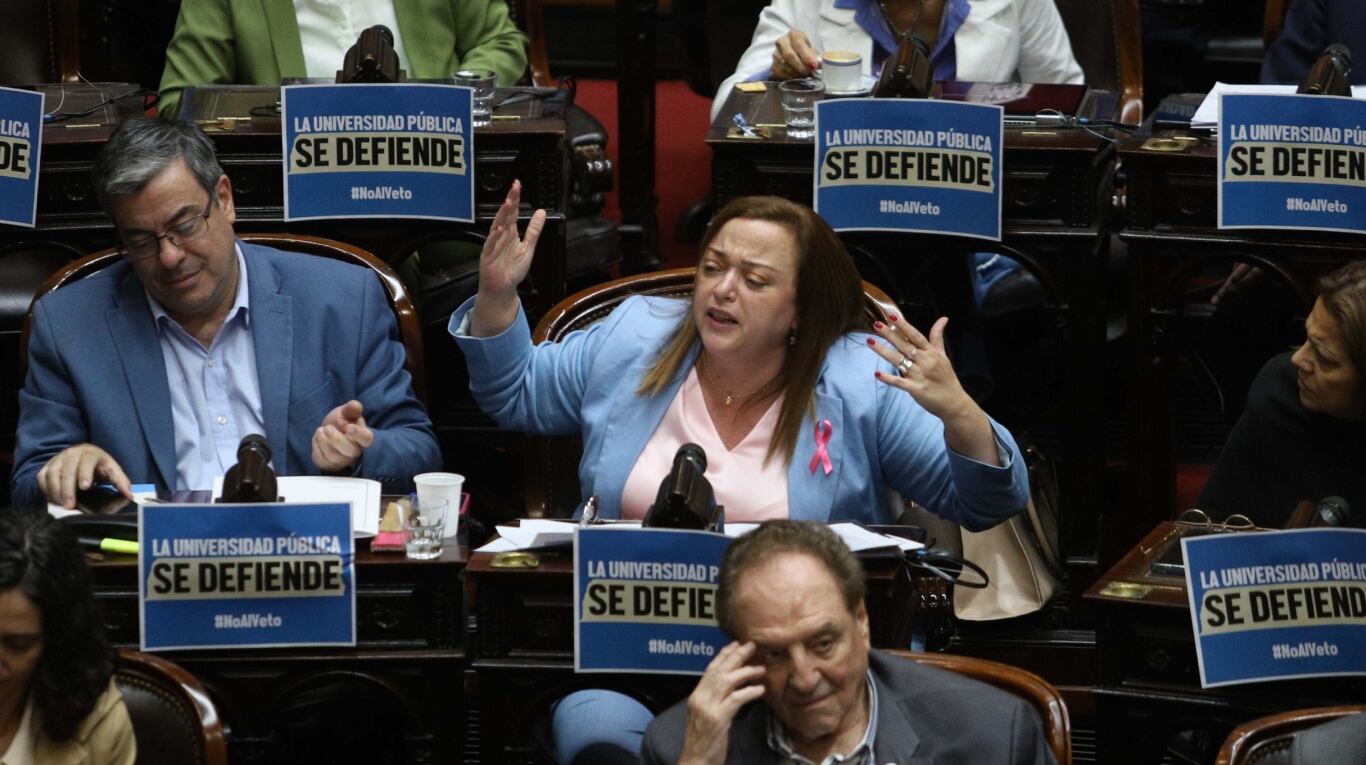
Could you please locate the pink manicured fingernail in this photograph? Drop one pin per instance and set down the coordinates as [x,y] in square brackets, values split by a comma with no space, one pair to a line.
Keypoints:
[872,343]
[877,325]
[891,318]
[878,375]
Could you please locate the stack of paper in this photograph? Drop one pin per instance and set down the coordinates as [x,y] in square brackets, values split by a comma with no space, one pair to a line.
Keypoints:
[536,533]
[1207,116]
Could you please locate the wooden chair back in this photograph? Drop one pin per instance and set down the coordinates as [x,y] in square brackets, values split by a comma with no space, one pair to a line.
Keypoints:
[1107,39]
[174,719]
[1267,740]
[1041,695]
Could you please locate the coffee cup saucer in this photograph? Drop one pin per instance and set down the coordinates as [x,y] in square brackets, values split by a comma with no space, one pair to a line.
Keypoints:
[864,89]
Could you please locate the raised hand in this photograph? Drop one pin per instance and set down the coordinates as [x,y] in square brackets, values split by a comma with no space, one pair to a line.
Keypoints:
[924,371]
[503,264]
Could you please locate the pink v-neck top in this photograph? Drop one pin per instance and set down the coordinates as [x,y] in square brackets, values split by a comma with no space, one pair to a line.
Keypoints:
[751,490]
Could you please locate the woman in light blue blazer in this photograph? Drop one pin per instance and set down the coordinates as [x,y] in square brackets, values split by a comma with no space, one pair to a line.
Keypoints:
[775,323]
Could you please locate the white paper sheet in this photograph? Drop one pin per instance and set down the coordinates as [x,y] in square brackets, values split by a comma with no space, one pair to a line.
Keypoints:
[1207,116]
[362,493]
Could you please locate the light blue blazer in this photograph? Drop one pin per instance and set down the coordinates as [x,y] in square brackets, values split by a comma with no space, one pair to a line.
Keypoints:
[881,437]
[323,334]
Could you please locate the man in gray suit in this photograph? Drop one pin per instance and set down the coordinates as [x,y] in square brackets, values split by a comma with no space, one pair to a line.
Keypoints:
[791,596]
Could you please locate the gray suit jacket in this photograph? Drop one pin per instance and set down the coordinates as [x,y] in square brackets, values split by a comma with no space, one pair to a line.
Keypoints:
[926,716]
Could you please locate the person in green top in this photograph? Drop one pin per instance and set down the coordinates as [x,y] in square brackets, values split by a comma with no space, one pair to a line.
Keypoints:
[221,42]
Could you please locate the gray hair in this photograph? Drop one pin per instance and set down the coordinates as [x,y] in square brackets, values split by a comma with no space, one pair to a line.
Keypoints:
[144,146]
[786,536]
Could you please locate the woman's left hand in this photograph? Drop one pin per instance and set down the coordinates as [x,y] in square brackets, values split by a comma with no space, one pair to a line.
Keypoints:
[925,372]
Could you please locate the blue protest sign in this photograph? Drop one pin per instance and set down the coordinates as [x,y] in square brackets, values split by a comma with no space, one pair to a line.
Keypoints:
[1291,161]
[1277,605]
[645,600]
[909,165]
[21,120]
[246,576]
[364,151]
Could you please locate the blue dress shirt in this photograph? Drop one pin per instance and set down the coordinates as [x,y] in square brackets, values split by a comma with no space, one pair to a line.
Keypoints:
[215,392]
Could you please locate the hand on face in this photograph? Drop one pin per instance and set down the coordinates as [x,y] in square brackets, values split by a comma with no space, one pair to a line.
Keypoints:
[793,57]
[340,440]
[729,683]
[506,258]
[76,468]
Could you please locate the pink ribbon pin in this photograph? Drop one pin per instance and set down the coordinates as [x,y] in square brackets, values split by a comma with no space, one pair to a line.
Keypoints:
[822,456]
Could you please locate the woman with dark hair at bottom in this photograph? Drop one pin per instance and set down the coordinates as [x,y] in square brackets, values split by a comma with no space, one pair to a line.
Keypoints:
[57,702]
[803,413]
[1303,434]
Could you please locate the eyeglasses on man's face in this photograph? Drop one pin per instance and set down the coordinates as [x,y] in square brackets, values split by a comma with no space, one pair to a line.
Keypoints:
[143,246]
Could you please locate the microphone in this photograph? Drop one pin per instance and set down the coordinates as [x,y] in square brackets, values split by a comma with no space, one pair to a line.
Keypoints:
[1331,511]
[372,58]
[251,479]
[1329,74]
[907,74]
[685,499]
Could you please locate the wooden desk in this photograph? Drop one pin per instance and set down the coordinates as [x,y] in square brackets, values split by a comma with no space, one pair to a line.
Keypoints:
[1055,218]
[410,628]
[522,644]
[1149,680]
[1170,227]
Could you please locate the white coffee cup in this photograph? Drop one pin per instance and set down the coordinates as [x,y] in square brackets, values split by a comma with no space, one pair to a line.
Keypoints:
[447,486]
[842,71]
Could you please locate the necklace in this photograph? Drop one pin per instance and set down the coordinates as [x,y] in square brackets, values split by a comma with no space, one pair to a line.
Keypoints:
[729,398]
[887,17]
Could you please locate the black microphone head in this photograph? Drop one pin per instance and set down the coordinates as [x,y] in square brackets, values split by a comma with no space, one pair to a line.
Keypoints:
[388,33]
[1333,511]
[1341,56]
[254,442]
[694,454]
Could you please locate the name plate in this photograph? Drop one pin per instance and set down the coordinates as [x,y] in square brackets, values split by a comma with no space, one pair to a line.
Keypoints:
[246,576]
[369,151]
[645,600]
[1277,605]
[1292,162]
[909,165]
[21,120]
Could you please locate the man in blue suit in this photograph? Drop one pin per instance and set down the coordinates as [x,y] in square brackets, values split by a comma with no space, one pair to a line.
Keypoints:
[152,370]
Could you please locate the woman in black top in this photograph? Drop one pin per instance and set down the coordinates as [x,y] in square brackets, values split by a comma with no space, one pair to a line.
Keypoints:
[1303,434]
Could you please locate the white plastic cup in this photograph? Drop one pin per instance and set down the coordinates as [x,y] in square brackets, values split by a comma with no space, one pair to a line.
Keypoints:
[448,486]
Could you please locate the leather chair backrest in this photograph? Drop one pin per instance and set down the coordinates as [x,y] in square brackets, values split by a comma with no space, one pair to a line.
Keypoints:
[174,720]
[1041,695]
[1269,740]
[40,41]
[1106,38]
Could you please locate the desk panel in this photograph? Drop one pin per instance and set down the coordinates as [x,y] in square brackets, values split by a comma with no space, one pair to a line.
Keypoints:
[410,654]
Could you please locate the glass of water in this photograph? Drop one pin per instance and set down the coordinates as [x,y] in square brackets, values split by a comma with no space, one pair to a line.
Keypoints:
[799,106]
[483,82]
[424,528]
